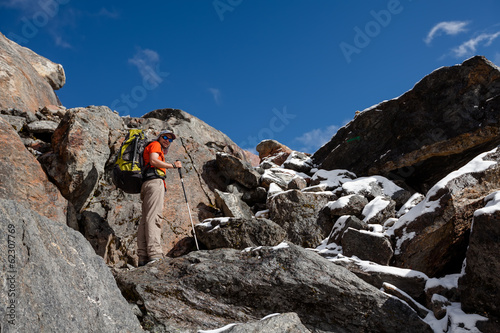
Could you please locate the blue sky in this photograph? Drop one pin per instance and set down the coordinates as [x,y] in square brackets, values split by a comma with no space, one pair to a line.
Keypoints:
[294,71]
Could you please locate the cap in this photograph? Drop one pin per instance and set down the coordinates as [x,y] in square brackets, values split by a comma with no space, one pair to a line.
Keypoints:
[163,132]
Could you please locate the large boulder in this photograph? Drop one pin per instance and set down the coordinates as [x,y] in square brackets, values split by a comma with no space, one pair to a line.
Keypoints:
[211,289]
[298,212]
[342,224]
[411,282]
[232,205]
[239,233]
[80,152]
[450,116]
[433,236]
[27,80]
[52,280]
[366,245]
[22,178]
[273,151]
[237,170]
[283,322]
[480,287]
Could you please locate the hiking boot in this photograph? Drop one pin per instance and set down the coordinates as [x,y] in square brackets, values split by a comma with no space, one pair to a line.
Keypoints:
[153,261]
[146,262]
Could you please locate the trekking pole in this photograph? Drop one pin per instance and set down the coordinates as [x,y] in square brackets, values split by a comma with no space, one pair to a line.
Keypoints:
[189,210]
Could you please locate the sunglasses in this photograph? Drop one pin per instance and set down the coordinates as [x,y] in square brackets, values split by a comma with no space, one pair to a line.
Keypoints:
[167,138]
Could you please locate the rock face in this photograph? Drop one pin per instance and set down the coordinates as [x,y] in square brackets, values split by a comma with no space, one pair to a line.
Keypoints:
[27,80]
[52,280]
[432,236]
[22,178]
[479,286]
[245,286]
[81,162]
[449,117]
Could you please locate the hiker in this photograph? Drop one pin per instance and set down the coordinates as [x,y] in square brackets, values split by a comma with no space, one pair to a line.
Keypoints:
[152,195]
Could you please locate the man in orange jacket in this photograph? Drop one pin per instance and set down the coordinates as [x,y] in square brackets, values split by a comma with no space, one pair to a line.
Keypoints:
[153,189]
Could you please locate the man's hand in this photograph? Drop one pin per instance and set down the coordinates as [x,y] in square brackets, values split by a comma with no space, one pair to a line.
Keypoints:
[178,164]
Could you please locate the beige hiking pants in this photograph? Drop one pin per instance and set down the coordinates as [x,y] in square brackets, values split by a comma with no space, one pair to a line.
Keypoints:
[149,233]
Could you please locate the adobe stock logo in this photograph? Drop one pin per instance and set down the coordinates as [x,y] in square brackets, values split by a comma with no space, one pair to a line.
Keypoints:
[222,6]
[30,28]
[363,36]
[277,123]
[152,78]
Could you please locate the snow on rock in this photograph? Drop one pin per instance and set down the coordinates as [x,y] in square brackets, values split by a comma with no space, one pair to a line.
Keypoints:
[478,164]
[298,161]
[340,202]
[273,190]
[492,204]
[431,201]
[374,207]
[414,200]
[332,178]
[364,185]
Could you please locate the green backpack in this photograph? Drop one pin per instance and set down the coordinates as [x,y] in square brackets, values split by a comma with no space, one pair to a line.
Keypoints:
[127,172]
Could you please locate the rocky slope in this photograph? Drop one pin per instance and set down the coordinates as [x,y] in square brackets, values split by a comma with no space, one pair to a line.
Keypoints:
[290,242]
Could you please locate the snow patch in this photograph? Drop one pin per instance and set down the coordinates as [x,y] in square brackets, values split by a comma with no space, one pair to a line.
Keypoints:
[492,204]
[374,207]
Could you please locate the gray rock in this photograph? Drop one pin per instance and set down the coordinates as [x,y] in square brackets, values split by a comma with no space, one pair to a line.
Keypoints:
[239,233]
[341,225]
[257,195]
[81,150]
[232,205]
[16,122]
[480,286]
[438,306]
[379,210]
[278,176]
[347,205]
[432,236]
[42,126]
[296,183]
[52,280]
[22,179]
[417,307]
[411,282]
[297,212]
[284,322]
[298,161]
[211,289]
[331,180]
[367,246]
[237,170]
[27,78]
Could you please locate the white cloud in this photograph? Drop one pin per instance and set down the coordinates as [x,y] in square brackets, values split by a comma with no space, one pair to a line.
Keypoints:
[147,61]
[449,28]
[62,43]
[215,94]
[104,12]
[469,47]
[314,139]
